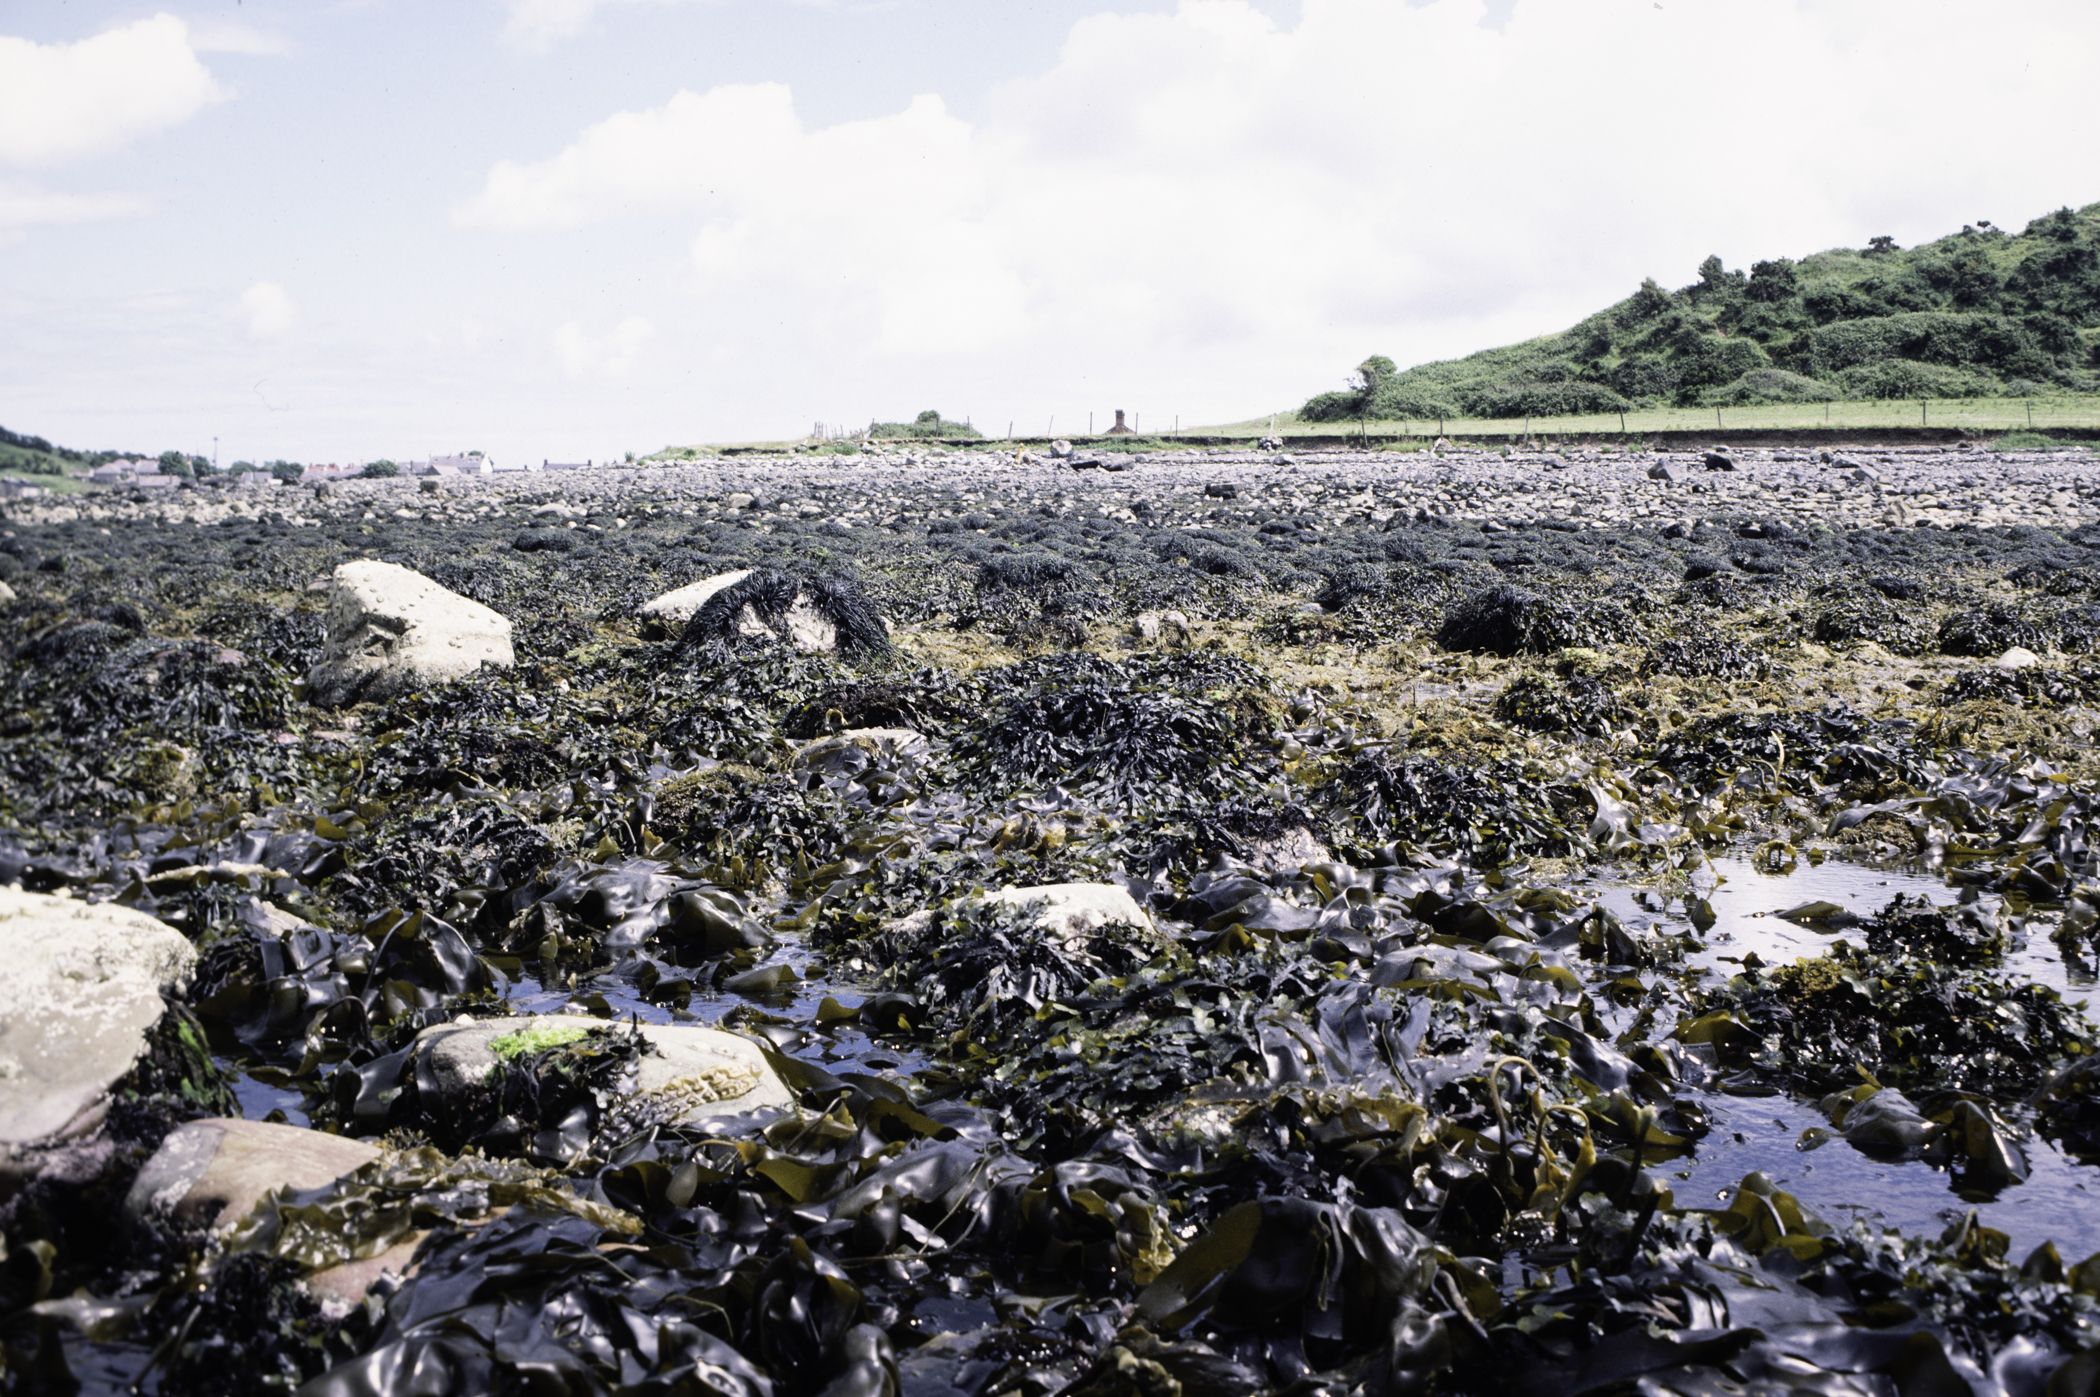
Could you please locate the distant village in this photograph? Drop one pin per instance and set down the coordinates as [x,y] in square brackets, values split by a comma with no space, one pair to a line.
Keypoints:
[150,473]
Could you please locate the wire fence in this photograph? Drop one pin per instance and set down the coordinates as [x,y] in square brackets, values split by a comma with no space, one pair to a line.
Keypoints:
[2037,414]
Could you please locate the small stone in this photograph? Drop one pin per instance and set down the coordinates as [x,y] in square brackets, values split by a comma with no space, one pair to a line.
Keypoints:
[1668,473]
[1718,461]
[7,594]
[1060,448]
[1221,490]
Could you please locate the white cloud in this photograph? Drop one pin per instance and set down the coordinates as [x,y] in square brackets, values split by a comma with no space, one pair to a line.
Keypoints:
[1211,205]
[539,24]
[63,102]
[25,205]
[608,356]
[269,310]
[231,36]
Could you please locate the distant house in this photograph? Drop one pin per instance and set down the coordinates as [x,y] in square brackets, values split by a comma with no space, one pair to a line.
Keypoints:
[19,490]
[452,465]
[328,472]
[154,482]
[565,465]
[119,471]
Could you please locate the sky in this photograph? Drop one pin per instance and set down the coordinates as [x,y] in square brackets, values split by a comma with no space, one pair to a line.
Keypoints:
[565,229]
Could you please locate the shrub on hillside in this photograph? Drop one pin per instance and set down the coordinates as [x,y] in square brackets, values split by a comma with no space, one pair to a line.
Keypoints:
[1531,398]
[1768,386]
[1905,378]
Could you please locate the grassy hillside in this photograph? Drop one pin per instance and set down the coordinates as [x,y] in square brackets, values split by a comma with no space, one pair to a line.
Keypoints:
[1982,313]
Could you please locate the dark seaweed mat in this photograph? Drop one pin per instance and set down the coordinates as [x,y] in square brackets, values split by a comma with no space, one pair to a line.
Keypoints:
[1396,1140]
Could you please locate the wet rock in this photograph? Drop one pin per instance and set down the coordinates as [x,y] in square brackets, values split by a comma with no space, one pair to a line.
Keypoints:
[391,630]
[82,987]
[694,1073]
[212,1173]
[1718,461]
[1221,490]
[1668,473]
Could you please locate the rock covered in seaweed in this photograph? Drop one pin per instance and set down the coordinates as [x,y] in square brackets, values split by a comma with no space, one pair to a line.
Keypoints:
[81,991]
[391,629]
[814,614]
[688,1073]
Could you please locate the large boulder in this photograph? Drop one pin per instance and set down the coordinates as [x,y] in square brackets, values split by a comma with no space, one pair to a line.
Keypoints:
[702,1071]
[212,1173]
[391,629]
[81,989]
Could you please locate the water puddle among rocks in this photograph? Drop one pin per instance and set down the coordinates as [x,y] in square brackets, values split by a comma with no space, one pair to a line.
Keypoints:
[1790,1139]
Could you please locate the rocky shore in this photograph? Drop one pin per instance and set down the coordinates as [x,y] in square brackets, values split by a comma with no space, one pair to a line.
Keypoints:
[1116,926]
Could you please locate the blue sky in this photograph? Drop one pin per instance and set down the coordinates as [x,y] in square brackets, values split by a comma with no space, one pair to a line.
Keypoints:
[562,228]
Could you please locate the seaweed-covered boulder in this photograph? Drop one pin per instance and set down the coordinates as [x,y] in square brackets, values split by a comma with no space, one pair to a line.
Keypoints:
[674,608]
[816,614]
[692,1073]
[212,1173]
[81,990]
[391,629]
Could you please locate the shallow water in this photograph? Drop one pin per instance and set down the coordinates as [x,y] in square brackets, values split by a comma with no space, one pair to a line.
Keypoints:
[2056,1203]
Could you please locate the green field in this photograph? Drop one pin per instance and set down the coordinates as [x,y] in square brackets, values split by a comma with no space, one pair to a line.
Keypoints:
[1980,415]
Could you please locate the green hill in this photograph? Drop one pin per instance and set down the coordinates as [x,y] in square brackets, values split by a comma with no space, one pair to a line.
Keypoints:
[1977,314]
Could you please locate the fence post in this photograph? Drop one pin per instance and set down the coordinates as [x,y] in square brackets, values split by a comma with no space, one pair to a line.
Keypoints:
[1921,412]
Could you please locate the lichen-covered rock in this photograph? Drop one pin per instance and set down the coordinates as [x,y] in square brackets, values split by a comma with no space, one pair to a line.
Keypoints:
[700,1072]
[81,988]
[391,629]
[212,1173]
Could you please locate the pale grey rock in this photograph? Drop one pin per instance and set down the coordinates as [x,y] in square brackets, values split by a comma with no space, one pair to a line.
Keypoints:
[82,986]
[2019,657]
[678,606]
[1071,911]
[391,629]
[212,1173]
[695,1072]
